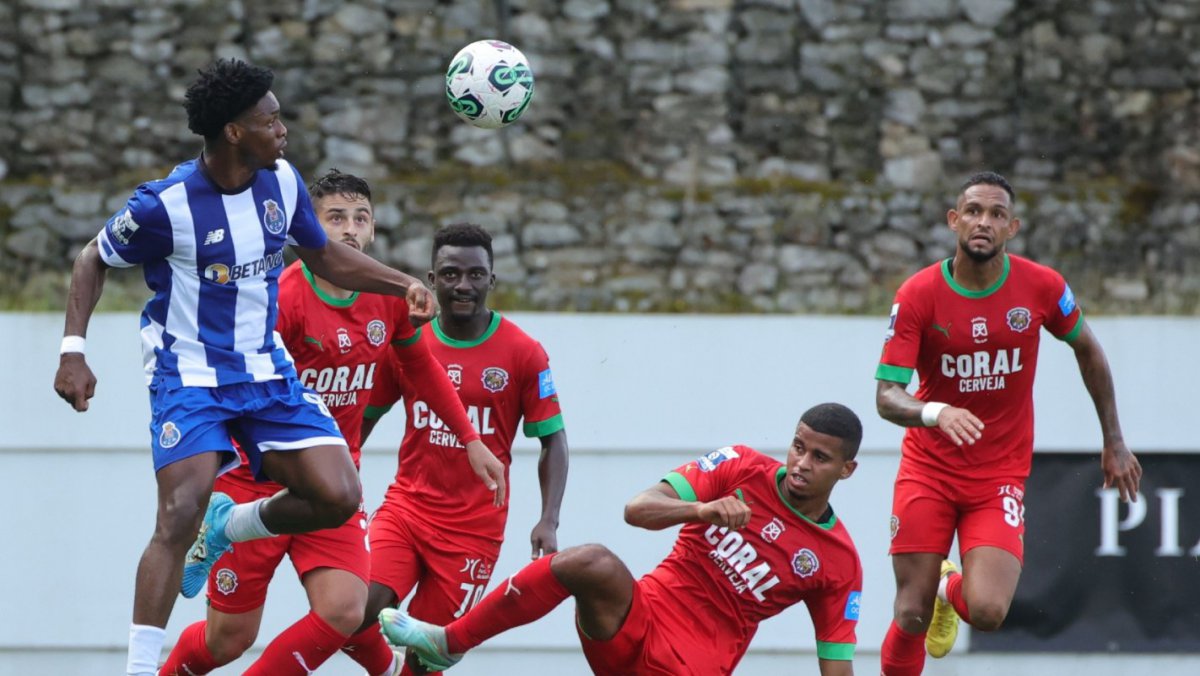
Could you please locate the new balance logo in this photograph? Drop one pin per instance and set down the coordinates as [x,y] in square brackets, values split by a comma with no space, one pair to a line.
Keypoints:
[214,236]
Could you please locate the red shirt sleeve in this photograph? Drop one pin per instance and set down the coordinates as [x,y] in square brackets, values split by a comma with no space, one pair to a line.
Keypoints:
[539,396]
[834,614]
[902,342]
[387,388]
[425,373]
[709,477]
[1064,317]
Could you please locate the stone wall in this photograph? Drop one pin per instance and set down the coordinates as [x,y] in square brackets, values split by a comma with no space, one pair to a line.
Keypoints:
[711,155]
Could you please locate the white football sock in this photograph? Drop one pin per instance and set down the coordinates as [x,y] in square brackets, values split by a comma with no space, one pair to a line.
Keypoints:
[145,645]
[942,584]
[245,523]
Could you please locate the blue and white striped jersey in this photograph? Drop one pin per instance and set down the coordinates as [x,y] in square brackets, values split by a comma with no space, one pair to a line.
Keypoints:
[212,259]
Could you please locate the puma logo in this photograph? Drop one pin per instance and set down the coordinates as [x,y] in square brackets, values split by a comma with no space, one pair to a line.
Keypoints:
[510,587]
[944,331]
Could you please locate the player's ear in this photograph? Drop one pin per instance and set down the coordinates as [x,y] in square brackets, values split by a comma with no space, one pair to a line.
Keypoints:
[1013,226]
[952,219]
[232,132]
[429,277]
[848,469]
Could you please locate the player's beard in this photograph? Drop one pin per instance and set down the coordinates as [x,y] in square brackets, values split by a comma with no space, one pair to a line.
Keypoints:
[981,256]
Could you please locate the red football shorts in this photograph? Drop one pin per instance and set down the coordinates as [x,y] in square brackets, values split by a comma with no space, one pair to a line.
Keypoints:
[926,510]
[645,645]
[238,581]
[451,571]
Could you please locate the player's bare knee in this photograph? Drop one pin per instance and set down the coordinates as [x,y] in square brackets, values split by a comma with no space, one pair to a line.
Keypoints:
[588,564]
[913,617]
[178,520]
[988,616]
[345,618]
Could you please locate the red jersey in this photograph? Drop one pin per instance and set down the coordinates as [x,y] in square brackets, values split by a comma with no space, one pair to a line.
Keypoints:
[736,579]
[336,345]
[502,377]
[976,350]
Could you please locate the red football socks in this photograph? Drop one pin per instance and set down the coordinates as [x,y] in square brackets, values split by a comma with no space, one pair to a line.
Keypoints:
[190,654]
[954,593]
[368,648]
[903,654]
[521,599]
[300,649]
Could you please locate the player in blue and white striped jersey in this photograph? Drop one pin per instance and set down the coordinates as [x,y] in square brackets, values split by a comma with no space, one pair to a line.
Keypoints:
[210,238]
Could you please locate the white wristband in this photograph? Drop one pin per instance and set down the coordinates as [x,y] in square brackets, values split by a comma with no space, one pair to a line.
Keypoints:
[930,412]
[72,344]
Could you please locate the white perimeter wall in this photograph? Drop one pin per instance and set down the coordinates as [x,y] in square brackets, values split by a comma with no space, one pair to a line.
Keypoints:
[641,394]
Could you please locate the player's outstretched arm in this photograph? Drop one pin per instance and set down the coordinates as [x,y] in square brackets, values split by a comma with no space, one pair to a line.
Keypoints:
[552,477]
[352,269]
[74,381]
[836,667]
[1121,469]
[896,405]
[660,507]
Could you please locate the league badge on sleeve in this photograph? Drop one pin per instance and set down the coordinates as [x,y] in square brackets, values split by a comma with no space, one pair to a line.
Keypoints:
[122,227]
[546,384]
[853,606]
[708,463]
[891,329]
[1067,302]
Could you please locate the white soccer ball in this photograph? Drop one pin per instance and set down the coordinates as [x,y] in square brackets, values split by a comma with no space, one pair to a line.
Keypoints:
[489,83]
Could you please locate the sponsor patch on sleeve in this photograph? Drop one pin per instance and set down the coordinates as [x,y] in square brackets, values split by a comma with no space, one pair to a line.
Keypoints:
[708,463]
[546,384]
[1067,302]
[853,605]
[122,227]
[891,329]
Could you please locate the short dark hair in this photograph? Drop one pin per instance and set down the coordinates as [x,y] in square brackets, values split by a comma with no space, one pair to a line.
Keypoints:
[838,421]
[989,178]
[222,92]
[335,182]
[462,234]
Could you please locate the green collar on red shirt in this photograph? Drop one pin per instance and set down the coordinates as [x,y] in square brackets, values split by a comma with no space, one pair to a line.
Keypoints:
[948,275]
[828,519]
[454,342]
[329,300]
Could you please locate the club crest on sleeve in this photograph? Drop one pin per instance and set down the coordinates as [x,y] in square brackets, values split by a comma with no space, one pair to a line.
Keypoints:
[272,217]
[227,581]
[170,435]
[122,227]
[1018,319]
[805,563]
[376,332]
[708,463]
[495,378]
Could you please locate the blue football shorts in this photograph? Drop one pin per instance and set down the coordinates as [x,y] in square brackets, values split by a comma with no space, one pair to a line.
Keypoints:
[273,415]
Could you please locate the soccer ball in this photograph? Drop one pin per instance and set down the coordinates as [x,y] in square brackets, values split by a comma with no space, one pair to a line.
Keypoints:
[489,84]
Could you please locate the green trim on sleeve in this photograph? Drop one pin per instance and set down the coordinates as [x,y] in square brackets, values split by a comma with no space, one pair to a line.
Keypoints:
[897,374]
[375,412]
[405,342]
[835,651]
[544,428]
[681,486]
[1074,333]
